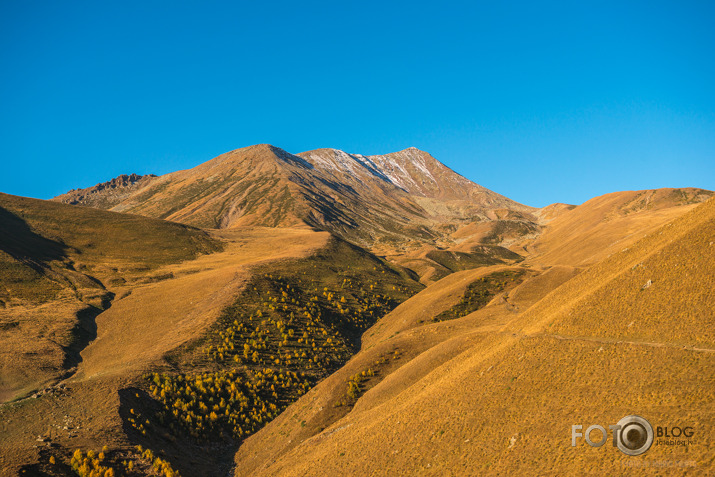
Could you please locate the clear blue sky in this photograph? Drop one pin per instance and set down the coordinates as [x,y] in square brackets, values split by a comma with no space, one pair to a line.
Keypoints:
[540,101]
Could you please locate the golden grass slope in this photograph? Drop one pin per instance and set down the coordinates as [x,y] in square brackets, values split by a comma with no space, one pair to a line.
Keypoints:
[497,392]
[605,224]
[421,347]
[247,186]
[662,286]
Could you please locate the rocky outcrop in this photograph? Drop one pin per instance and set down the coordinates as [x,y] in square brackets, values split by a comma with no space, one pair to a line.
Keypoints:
[106,194]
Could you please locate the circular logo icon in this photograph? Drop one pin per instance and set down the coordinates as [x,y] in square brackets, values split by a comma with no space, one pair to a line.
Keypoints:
[635,436]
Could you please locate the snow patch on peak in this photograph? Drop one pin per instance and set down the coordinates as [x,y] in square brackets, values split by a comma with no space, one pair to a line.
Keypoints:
[354,164]
[368,164]
[411,170]
[395,167]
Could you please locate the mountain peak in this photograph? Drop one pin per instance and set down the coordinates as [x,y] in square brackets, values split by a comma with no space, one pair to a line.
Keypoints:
[362,198]
[257,155]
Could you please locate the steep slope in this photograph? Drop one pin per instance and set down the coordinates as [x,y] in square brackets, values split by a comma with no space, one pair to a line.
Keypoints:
[243,187]
[411,170]
[496,392]
[404,198]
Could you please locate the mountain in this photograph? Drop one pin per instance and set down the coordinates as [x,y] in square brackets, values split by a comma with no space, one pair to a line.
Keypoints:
[403,198]
[266,313]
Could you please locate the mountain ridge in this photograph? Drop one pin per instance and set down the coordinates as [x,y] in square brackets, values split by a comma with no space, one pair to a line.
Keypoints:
[401,197]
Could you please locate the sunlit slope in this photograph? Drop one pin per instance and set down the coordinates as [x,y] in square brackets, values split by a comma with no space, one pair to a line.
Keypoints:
[482,399]
[661,287]
[157,317]
[401,349]
[608,223]
[59,266]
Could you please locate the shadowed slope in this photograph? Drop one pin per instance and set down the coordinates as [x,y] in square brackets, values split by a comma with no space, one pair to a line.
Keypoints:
[58,267]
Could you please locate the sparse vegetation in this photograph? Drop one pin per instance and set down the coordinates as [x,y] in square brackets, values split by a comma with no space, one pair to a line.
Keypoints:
[290,328]
[480,292]
[356,383]
[136,461]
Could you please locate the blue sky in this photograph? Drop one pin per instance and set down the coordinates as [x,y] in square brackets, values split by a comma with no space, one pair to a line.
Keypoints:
[540,101]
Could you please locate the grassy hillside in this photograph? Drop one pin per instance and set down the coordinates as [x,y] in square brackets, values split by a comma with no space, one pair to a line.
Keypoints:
[606,224]
[232,337]
[496,391]
[287,351]
[58,268]
[50,231]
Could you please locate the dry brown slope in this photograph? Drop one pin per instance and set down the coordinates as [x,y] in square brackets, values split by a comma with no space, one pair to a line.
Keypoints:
[662,286]
[603,225]
[406,198]
[506,402]
[247,186]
